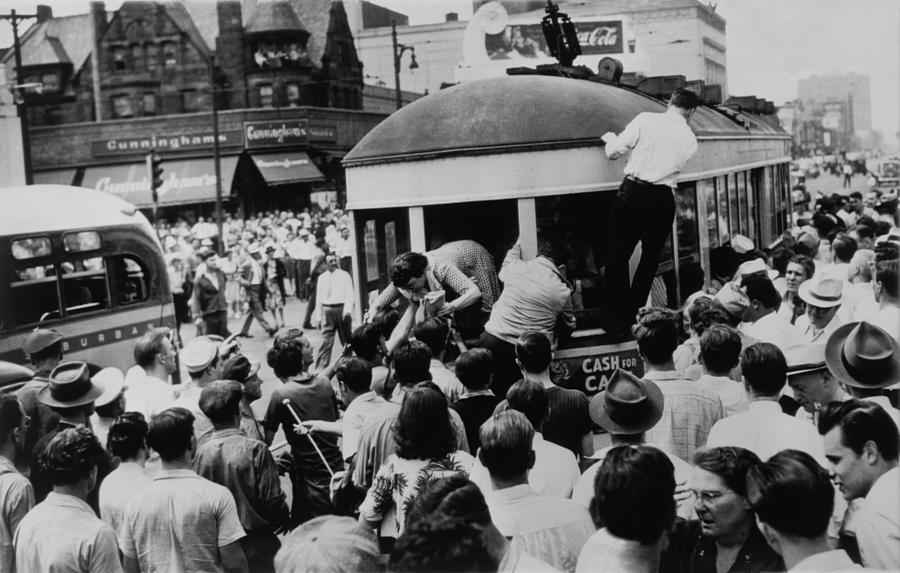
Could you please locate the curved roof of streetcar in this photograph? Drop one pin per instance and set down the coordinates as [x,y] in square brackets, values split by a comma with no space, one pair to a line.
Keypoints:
[502,114]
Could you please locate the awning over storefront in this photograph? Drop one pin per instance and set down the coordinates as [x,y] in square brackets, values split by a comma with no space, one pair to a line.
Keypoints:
[55,177]
[287,167]
[184,181]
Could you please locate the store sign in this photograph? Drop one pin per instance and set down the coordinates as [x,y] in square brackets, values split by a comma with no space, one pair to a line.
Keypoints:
[589,370]
[282,133]
[283,162]
[171,142]
[527,41]
[171,182]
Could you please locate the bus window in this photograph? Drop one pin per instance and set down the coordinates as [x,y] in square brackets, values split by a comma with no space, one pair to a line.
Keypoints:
[130,279]
[580,221]
[722,204]
[31,248]
[686,217]
[34,295]
[81,241]
[84,285]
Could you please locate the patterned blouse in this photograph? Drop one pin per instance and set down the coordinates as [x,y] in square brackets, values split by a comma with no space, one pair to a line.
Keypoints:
[399,481]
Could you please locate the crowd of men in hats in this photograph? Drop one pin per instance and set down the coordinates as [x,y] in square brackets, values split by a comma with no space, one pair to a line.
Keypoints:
[761,436]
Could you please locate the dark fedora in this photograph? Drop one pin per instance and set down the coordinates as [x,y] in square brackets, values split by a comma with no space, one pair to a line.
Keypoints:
[862,355]
[70,386]
[629,405]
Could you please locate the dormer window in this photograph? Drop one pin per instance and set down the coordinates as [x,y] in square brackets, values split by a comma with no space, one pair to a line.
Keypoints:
[119,59]
[170,54]
[152,56]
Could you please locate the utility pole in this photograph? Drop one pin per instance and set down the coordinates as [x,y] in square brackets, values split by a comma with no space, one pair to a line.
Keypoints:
[20,97]
[216,159]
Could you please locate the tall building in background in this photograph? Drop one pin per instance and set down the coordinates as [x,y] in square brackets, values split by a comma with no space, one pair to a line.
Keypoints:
[846,95]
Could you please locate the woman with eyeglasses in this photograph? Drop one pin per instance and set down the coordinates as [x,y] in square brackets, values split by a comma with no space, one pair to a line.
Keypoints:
[724,538]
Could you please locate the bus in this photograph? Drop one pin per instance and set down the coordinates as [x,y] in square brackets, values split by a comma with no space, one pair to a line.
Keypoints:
[85,263]
[520,156]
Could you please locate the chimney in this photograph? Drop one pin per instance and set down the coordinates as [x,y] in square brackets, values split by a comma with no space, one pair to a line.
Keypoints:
[44,13]
[451,17]
[98,29]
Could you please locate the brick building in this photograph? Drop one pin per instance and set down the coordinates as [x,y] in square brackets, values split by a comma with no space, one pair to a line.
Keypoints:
[288,85]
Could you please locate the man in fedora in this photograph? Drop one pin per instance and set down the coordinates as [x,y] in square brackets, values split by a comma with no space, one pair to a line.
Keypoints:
[813,385]
[70,393]
[861,444]
[823,298]
[627,409]
[44,349]
[866,359]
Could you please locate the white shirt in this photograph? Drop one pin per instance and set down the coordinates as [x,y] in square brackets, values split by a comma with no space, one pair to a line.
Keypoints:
[147,394]
[773,328]
[858,301]
[835,560]
[117,488]
[878,524]
[554,474]
[446,381]
[344,247]
[294,248]
[765,430]
[334,287]
[660,144]
[733,395]
[887,318]
[100,427]
[808,335]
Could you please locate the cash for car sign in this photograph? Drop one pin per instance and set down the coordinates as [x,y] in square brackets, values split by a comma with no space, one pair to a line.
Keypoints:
[590,369]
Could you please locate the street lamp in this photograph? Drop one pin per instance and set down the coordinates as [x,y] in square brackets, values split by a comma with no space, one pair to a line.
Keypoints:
[399,50]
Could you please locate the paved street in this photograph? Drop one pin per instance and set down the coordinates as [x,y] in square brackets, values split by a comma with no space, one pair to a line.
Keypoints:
[828,184]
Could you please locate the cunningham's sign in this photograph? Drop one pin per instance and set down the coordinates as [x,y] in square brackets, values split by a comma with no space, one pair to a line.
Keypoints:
[287,132]
[166,142]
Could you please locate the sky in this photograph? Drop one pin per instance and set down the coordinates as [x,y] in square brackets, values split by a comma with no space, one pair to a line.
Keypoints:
[770,43]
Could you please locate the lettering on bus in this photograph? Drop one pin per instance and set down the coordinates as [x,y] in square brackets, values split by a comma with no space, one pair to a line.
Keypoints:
[110,335]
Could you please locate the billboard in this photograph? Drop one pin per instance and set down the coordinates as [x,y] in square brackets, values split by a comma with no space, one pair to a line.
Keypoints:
[527,40]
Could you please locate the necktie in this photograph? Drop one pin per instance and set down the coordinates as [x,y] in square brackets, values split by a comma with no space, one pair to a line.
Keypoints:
[328,298]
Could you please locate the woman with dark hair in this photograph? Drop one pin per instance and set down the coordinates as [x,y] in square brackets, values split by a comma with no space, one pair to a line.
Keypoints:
[725,537]
[426,451]
[312,398]
[799,270]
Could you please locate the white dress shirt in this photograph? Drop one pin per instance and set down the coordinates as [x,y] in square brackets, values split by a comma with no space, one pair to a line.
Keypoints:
[146,394]
[858,300]
[878,524]
[660,144]
[554,474]
[334,287]
[808,335]
[773,328]
[887,318]
[733,395]
[344,247]
[765,430]
[835,560]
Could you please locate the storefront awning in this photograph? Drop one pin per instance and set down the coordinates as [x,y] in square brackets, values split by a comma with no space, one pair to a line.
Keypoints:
[287,167]
[184,181]
[55,177]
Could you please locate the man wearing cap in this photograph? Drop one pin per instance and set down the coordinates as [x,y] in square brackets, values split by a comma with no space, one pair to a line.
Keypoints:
[627,409]
[334,305]
[253,279]
[44,349]
[208,303]
[813,385]
[201,358]
[823,298]
[240,369]
[70,394]
[109,405]
[244,466]
[861,444]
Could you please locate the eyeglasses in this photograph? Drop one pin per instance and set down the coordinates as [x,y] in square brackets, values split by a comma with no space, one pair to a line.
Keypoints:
[708,497]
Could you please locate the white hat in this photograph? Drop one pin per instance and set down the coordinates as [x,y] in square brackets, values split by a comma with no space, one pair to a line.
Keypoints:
[112,381]
[822,292]
[254,248]
[199,353]
[755,266]
[741,244]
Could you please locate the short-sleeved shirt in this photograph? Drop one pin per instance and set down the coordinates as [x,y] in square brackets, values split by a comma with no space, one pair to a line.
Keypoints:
[16,500]
[178,523]
[354,417]
[62,534]
[118,488]
[190,400]
[312,398]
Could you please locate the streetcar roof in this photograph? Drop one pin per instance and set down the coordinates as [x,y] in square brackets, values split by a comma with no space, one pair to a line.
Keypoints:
[47,208]
[508,113]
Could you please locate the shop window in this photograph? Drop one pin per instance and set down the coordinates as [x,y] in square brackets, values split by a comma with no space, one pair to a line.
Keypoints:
[137,57]
[706,191]
[266,96]
[148,104]
[122,106]
[130,279]
[170,54]
[34,296]
[152,56]
[119,59]
[84,285]
[293,94]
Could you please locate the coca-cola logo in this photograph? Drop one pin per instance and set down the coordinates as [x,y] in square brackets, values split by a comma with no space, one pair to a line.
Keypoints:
[599,36]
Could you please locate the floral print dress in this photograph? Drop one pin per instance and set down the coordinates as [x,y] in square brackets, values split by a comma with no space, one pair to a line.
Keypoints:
[399,481]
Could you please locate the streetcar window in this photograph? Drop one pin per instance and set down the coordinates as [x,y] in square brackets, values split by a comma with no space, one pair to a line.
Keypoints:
[686,219]
[130,279]
[34,296]
[722,204]
[371,245]
[734,214]
[31,248]
[491,224]
[84,285]
[706,191]
[81,241]
[743,206]
[390,241]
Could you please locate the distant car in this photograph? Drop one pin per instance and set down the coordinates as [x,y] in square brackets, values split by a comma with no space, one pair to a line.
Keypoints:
[13,376]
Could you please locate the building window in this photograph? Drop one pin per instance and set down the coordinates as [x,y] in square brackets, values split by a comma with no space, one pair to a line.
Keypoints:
[122,106]
[266,96]
[119,59]
[148,104]
[137,57]
[293,94]
[170,54]
[152,56]
[51,82]
[190,100]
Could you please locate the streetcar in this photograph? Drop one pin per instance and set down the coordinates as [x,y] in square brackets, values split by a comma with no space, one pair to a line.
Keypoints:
[83,262]
[518,157]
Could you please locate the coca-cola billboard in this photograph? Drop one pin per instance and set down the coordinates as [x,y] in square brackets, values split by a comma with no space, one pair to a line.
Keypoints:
[527,41]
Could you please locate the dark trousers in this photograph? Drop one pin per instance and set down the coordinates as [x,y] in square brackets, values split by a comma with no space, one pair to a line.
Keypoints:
[216,323]
[332,320]
[847,180]
[303,269]
[312,299]
[506,370]
[256,310]
[641,212]
[260,548]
